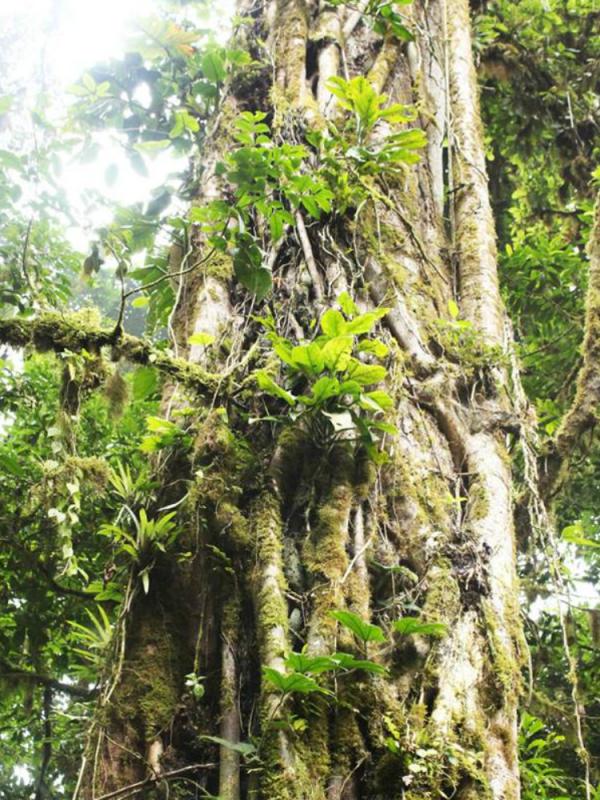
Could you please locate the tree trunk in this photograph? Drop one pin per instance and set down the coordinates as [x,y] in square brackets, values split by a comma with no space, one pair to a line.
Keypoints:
[283,531]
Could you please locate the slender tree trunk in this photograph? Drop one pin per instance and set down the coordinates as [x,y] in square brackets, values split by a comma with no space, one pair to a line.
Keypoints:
[284,532]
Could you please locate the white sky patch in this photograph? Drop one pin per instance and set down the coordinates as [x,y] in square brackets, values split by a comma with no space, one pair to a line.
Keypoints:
[64,39]
[70,36]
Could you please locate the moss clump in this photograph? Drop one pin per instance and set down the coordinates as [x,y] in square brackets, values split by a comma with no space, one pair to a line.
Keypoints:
[219,266]
[223,463]
[268,576]
[479,502]
[504,650]
[443,598]
[152,676]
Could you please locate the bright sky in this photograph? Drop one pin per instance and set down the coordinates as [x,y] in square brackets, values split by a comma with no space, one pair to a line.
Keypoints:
[72,35]
[64,39]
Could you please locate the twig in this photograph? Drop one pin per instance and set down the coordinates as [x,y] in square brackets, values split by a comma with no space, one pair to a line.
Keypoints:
[362,550]
[133,788]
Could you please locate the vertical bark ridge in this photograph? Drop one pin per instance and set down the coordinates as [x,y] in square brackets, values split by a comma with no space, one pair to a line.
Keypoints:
[475,234]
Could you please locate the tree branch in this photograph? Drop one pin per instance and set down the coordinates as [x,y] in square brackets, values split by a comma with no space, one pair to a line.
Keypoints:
[582,415]
[134,788]
[7,670]
[51,331]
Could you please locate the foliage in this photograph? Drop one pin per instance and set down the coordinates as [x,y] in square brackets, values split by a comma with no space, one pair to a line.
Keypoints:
[63,629]
[336,403]
[82,522]
[302,666]
[541,779]
[538,64]
[384,17]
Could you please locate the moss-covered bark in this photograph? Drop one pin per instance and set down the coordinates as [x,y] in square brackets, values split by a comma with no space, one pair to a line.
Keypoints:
[285,528]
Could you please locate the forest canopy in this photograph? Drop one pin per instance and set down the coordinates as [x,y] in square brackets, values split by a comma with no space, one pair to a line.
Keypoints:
[141,446]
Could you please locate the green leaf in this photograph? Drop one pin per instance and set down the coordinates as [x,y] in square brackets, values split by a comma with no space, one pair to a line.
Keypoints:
[137,163]
[382,399]
[283,349]
[453,309]
[258,281]
[366,374]
[347,304]
[365,322]
[333,323]
[347,661]
[337,352]
[267,384]
[292,683]
[140,302]
[374,346]
[350,387]
[323,389]
[364,631]
[152,146]
[411,625]
[385,427]
[575,534]
[145,382]
[161,426]
[11,465]
[302,663]
[201,338]
[213,67]
[397,114]
[309,358]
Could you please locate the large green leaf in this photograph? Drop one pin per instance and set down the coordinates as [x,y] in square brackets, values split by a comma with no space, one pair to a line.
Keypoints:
[309,358]
[267,384]
[292,683]
[364,631]
[336,353]
[333,323]
[366,374]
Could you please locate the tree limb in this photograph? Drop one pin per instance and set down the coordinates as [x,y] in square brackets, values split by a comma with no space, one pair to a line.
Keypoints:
[134,788]
[7,670]
[582,415]
[51,331]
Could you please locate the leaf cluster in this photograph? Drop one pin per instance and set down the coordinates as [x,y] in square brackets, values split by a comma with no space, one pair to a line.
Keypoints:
[335,373]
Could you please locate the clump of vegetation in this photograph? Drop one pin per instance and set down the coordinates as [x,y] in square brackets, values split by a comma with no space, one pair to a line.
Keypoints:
[328,382]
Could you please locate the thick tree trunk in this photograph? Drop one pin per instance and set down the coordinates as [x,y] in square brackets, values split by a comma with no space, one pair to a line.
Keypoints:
[284,532]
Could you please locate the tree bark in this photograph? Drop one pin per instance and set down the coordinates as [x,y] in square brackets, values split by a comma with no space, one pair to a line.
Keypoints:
[284,532]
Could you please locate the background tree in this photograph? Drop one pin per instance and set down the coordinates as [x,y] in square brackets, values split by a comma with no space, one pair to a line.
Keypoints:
[278,543]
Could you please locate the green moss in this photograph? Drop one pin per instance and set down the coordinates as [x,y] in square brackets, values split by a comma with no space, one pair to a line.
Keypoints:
[504,649]
[223,464]
[152,676]
[267,537]
[219,266]
[478,501]
[442,601]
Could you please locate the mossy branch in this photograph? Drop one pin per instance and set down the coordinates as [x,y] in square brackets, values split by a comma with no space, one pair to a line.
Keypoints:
[583,413]
[51,331]
[20,675]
